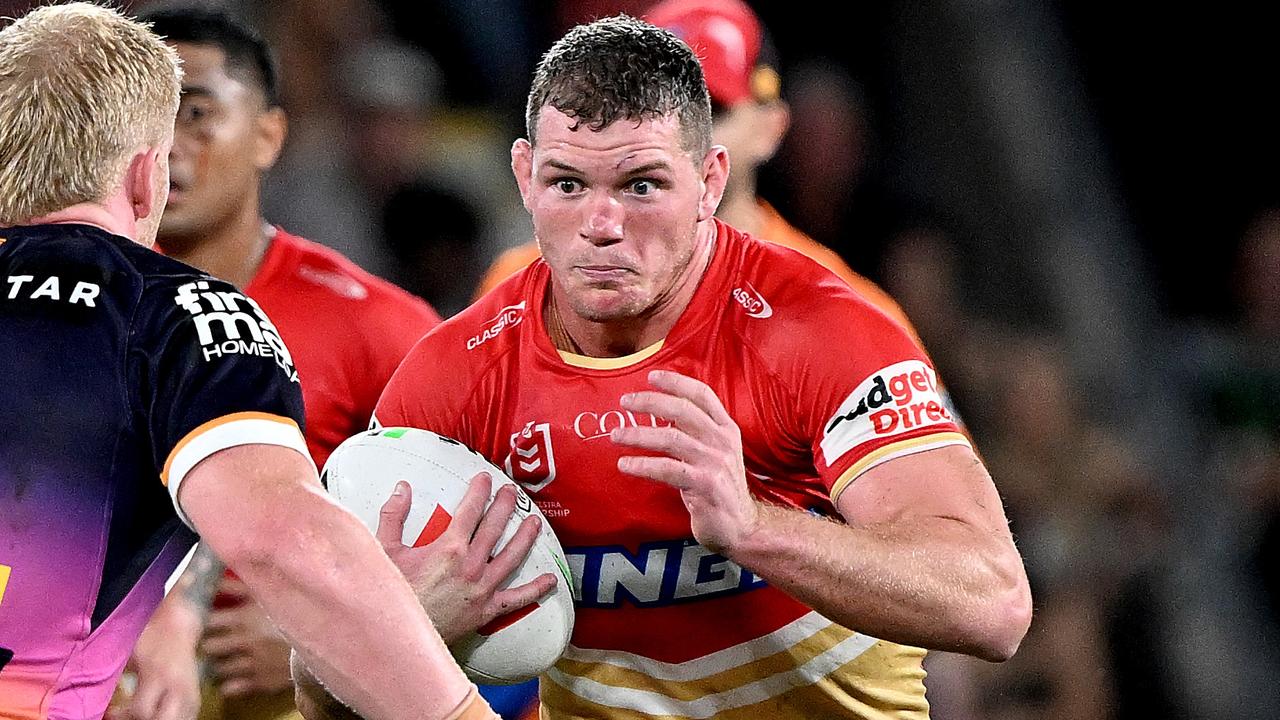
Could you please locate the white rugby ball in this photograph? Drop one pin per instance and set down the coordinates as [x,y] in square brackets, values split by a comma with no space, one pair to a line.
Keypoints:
[362,472]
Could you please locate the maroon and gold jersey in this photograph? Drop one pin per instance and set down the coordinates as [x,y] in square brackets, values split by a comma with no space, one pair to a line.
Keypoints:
[823,387]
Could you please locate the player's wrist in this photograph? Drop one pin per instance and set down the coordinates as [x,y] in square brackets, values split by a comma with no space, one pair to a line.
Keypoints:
[753,536]
[472,707]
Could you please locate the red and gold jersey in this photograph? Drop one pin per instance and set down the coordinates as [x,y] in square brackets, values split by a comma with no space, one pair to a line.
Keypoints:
[347,329]
[823,387]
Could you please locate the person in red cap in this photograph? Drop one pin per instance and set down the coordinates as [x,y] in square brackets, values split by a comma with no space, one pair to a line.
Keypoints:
[750,119]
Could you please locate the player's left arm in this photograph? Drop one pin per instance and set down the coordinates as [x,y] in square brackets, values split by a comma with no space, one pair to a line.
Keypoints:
[926,557]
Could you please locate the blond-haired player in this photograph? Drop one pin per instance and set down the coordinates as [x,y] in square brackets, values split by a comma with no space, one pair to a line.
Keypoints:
[143,400]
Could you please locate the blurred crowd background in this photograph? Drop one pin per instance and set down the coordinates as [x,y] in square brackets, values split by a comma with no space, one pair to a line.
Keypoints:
[1077,203]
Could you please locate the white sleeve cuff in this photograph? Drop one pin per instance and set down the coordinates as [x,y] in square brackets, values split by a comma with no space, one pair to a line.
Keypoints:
[246,428]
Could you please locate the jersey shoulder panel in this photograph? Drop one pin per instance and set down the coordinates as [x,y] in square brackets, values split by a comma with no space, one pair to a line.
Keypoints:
[456,357]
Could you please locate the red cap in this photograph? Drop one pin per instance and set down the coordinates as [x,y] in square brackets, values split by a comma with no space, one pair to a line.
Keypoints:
[727,37]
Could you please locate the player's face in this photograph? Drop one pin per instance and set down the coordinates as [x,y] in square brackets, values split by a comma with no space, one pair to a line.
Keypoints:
[218,151]
[616,211]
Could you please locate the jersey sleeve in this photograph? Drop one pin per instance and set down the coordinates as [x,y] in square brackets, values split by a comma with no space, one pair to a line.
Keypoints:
[869,398]
[212,373]
[431,390]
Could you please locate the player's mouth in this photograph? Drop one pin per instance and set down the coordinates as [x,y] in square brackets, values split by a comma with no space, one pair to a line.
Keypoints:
[603,273]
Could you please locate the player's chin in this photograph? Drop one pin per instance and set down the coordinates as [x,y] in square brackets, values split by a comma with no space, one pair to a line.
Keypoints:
[606,304]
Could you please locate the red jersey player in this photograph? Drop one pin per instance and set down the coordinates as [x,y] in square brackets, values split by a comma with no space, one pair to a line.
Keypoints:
[769,509]
[346,329]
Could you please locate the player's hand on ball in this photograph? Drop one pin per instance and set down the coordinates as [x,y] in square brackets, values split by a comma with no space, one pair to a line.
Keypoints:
[457,576]
[703,456]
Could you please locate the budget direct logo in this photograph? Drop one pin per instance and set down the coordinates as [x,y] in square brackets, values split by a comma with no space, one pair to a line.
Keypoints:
[899,398]
[507,317]
[229,323]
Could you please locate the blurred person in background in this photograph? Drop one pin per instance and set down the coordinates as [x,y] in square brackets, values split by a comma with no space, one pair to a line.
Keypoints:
[347,330]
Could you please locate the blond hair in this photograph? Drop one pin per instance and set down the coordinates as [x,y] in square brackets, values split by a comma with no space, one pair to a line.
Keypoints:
[82,88]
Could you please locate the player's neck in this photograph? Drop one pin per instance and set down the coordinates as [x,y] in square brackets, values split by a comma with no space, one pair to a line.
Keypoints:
[740,208]
[99,216]
[233,252]
[572,333]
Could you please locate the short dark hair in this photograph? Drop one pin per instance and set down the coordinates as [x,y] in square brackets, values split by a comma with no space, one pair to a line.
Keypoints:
[622,68]
[246,52]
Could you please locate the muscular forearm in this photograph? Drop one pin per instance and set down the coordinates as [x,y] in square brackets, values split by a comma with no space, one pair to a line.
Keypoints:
[931,582]
[348,612]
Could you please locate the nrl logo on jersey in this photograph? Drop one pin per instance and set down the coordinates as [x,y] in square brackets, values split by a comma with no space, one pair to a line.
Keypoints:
[507,317]
[229,323]
[899,398]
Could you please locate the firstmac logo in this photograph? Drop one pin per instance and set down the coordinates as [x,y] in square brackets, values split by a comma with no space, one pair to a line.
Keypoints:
[229,323]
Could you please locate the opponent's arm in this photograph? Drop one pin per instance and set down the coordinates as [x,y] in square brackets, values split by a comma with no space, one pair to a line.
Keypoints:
[164,658]
[925,559]
[322,577]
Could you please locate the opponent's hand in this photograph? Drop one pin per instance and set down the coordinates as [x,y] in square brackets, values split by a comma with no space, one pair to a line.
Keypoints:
[247,654]
[164,662]
[703,456]
[457,576]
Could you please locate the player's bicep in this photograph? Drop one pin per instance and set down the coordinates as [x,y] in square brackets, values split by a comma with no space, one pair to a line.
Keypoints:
[248,482]
[946,482]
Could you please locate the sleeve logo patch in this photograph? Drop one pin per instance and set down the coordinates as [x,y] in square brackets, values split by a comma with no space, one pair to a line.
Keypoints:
[897,399]
[230,323]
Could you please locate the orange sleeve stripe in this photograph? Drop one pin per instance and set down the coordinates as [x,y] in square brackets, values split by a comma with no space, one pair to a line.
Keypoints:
[218,422]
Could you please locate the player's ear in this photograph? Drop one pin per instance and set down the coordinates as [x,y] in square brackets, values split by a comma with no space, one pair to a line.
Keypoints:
[272,129]
[715,175]
[148,168]
[522,167]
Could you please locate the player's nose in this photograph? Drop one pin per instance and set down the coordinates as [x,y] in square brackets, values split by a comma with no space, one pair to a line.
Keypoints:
[603,220]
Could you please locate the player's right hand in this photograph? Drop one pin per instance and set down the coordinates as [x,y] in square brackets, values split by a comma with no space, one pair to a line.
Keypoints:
[457,576]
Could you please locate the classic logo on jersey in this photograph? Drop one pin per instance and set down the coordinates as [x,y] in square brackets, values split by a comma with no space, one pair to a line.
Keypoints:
[532,461]
[590,425]
[507,317]
[658,573]
[229,323]
[899,398]
[753,302]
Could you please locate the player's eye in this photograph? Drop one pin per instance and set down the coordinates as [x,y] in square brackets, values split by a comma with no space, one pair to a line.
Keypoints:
[567,186]
[643,186]
[192,111]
